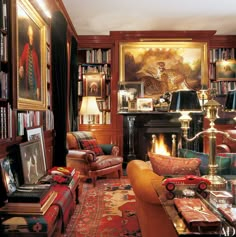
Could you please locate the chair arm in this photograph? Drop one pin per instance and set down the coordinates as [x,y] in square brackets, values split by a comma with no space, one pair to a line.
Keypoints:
[110,149]
[87,155]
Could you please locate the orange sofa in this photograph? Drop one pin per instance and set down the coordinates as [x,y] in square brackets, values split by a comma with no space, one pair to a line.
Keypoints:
[153,220]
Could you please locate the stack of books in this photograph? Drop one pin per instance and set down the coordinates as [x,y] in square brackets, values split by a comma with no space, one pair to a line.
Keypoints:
[29,200]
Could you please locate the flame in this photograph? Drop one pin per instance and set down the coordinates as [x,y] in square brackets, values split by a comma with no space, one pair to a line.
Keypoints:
[159,146]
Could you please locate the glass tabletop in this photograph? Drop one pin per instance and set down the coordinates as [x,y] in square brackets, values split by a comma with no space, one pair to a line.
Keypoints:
[167,198]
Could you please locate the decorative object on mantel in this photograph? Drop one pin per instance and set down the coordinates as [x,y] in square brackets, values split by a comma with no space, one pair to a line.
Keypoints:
[180,102]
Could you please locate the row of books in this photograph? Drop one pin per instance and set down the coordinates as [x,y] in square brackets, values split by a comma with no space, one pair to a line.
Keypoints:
[98,56]
[221,54]
[3,47]
[5,121]
[222,87]
[27,119]
[102,118]
[3,14]
[84,68]
[4,85]
[48,120]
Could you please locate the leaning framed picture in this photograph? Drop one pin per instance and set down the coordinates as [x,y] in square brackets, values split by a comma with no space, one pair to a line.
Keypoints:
[32,161]
[36,133]
[226,70]
[31,57]
[94,85]
[144,104]
[164,65]
[7,175]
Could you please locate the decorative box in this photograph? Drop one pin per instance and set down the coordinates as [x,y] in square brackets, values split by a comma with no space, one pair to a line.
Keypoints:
[221,199]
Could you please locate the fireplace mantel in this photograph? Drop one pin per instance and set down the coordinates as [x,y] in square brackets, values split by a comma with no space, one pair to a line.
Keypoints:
[138,128]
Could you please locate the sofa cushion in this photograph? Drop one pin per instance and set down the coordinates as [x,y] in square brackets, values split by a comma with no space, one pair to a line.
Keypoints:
[92,145]
[232,157]
[81,135]
[222,160]
[169,165]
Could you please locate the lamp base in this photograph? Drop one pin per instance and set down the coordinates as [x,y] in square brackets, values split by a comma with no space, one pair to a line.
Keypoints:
[217,182]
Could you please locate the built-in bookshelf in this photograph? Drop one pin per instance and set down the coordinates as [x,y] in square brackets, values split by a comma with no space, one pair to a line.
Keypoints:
[96,61]
[5,106]
[222,70]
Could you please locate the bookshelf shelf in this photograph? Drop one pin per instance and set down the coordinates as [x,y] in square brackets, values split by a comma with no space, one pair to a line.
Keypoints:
[96,60]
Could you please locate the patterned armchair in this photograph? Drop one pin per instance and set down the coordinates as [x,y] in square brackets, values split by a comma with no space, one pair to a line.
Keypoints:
[90,158]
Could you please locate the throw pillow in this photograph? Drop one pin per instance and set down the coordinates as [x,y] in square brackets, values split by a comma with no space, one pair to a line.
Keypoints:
[92,145]
[193,154]
[223,160]
[168,165]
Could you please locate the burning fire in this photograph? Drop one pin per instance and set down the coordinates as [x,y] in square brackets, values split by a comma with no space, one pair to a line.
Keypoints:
[159,146]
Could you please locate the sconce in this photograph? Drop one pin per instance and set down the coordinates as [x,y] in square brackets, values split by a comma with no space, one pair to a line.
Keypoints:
[89,107]
[186,101]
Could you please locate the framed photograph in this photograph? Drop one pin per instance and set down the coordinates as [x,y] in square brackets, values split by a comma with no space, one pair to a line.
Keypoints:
[94,85]
[128,94]
[164,66]
[7,175]
[144,104]
[226,70]
[37,134]
[31,58]
[32,161]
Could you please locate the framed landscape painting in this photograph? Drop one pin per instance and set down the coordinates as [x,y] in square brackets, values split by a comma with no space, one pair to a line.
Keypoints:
[164,66]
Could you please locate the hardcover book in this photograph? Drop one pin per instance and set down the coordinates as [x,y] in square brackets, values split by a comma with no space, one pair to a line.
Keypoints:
[28,195]
[29,208]
[196,213]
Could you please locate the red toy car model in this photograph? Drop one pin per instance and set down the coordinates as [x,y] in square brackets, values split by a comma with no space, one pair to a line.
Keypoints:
[188,180]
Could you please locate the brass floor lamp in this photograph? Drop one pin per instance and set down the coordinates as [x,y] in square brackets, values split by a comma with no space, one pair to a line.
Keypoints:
[187,101]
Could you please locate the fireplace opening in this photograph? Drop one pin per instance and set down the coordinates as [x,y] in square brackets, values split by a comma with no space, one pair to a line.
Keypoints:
[164,144]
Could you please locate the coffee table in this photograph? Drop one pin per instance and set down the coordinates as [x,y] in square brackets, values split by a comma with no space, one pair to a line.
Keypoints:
[181,227]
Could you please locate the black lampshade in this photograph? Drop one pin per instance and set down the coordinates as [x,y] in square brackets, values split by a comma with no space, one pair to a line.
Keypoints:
[230,102]
[184,100]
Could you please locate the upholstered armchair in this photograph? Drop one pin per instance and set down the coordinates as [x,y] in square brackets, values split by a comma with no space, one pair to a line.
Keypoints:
[90,158]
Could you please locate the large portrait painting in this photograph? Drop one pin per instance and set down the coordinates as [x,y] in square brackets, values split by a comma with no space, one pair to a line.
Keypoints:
[31,58]
[164,66]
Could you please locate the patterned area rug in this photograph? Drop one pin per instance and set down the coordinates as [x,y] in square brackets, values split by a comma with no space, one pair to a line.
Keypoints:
[108,210]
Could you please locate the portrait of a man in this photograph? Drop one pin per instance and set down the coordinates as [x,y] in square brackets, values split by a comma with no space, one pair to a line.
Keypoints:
[29,62]
[31,58]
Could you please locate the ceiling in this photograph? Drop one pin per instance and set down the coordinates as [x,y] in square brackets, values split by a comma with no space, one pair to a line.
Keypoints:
[99,17]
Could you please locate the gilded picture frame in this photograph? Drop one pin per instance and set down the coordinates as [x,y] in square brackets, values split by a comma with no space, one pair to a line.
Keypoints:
[226,70]
[144,104]
[94,85]
[164,66]
[31,57]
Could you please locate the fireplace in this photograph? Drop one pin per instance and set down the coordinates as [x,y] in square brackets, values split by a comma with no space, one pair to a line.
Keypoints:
[139,129]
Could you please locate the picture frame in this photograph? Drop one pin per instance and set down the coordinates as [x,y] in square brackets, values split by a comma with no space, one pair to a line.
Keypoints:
[7,175]
[128,93]
[32,161]
[36,133]
[164,65]
[30,27]
[94,85]
[226,70]
[144,104]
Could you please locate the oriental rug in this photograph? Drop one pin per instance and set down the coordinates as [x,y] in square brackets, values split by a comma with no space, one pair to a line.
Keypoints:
[108,210]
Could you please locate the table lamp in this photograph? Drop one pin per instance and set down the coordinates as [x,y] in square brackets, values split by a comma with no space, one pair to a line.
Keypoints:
[89,107]
[186,101]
